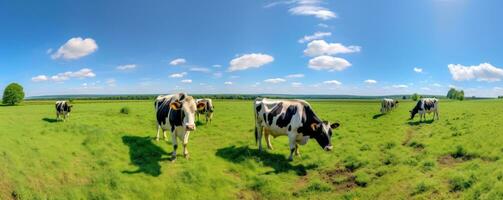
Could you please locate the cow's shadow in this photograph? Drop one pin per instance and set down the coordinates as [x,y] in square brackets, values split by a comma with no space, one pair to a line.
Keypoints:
[376,116]
[144,154]
[278,162]
[416,123]
[50,120]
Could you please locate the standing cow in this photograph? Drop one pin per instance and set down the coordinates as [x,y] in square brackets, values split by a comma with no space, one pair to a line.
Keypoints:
[63,109]
[388,105]
[205,107]
[176,114]
[293,118]
[423,106]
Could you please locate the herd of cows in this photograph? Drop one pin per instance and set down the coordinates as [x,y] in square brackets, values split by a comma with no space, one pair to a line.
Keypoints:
[293,118]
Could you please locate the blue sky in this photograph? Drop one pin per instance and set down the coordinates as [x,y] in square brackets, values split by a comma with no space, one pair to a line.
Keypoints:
[290,47]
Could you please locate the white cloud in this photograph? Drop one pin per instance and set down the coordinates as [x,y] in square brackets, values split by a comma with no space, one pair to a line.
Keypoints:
[295,76]
[400,86]
[332,82]
[481,72]
[418,70]
[311,8]
[370,81]
[178,75]
[75,48]
[320,47]
[39,78]
[437,85]
[216,66]
[126,67]
[322,25]
[315,36]
[296,84]
[274,80]
[186,81]
[178,61]
[228,83]
[254,60]
[328,63]
[199,69]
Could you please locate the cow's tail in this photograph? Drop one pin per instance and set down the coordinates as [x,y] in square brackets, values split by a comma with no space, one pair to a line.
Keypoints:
[256,135]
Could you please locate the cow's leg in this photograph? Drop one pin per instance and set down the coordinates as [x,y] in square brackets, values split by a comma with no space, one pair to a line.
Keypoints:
[258,133]
[292,142]
[164,135]
[210,116]
[159,132]
[207,116]
[297,153]
[268,140]
[185,143]
[175,145]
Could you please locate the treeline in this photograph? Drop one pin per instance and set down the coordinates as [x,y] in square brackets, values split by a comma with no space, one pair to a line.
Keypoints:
[500,97]
[456,94]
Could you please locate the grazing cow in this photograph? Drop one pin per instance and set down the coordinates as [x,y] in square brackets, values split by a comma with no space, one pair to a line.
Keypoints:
[176,114]
[293,118]
[205,107]
[423,106]
[388,105]
[63,109]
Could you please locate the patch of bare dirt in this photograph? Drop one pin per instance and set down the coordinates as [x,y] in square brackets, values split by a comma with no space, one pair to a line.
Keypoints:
[6,188]
[343,179]
[248,194]
[448,160]
[408,136]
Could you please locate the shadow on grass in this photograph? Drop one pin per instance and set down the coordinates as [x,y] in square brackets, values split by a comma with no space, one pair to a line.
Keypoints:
[144,154]
[278,162]
[376,116]
[199,123]
[50,120]
[415,123]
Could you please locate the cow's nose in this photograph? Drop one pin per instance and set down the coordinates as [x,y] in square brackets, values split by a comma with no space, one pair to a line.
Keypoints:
[191,127]
[328,148]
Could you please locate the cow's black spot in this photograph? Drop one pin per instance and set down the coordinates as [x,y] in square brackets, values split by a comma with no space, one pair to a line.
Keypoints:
[182,96]
[265,117]
[274,112]
[176,117]
[290,128]
[308,118]
[285,117]
[258,108]
[162,110]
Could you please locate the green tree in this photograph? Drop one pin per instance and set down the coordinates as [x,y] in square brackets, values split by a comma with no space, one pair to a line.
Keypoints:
[13,94]
[415,97]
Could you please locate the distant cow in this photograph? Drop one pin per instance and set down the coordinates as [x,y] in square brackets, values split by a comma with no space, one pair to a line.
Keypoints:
[293,118]
[63,109]
[423,106]
[176,114]
[388,105]
[205,107]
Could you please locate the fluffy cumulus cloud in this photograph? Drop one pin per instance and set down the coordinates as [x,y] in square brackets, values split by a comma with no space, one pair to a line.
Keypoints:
[228,83]
[332,82]
[81,74]
[329,63]
[274,80]
[76,48]
[311,8]
[178,61]
[254,60]
[418,70]
[126,67]
[370,81]
[320,47]
[400,86]
[186,81]
[295,76]
[178,75]
[315,36]
[482,72]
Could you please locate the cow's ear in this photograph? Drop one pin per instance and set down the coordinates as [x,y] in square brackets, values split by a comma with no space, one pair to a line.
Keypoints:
[334,125]
[200,105]
[175,105]
[314,126]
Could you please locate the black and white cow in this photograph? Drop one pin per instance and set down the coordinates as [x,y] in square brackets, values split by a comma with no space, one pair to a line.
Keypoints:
[176,114]
[205,107]
[63,109]
[423,106]
[388,105]
[293,118]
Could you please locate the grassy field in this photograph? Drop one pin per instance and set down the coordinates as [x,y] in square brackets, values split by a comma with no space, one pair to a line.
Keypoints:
[103,154]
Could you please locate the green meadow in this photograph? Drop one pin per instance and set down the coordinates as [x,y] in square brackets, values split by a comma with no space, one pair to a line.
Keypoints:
[101,153]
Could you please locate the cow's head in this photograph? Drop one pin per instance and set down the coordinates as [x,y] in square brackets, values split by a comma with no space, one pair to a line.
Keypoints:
[187,105]
[70,108]
[323,133]
[413,113]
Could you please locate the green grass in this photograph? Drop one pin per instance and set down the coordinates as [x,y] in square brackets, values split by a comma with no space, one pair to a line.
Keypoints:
[100,153]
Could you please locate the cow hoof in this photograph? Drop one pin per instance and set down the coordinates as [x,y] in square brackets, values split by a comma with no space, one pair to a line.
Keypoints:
[290,159]
[186,156]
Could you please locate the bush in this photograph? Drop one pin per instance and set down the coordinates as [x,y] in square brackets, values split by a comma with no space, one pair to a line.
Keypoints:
[13,94]
[125,110]
[461,182]
[415,97]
